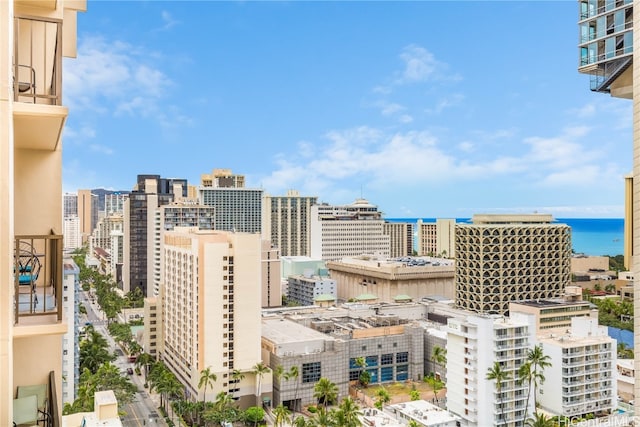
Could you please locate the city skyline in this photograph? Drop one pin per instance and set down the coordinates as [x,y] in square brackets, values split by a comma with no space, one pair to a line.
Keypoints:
[427,109]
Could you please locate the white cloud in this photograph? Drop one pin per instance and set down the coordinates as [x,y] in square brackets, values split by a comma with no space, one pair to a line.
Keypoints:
[420,65]
[444,103]
[168,21]
[101,149]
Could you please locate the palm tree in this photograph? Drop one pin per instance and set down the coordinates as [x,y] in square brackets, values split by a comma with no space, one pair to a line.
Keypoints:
[539,420]
[348,413]
[207,378]
[438,356]
[413,423]
[294,373]
[322,418]
[281,413]
[500,376]
[300,421]
[236,377]
[143,361]
[325,391]
[259,370]
[383,398]
[538,362]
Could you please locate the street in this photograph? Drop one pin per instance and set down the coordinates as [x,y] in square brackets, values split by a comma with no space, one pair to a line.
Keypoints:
[142,411]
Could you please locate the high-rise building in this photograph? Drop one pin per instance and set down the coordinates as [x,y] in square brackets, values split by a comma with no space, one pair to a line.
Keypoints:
[101,236]
[71,232]
[88,211]
[436,238]
[236,208]
[211,311]
[400,238]
[114,203]
[286,221]
[349,230]
[69,205]
[607,48]
[32,118]
[503,258]
[271,275]
[474,345]
[71,340]
[141,223]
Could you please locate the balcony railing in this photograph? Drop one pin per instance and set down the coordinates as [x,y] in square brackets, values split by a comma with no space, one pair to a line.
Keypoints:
[38,276]
[38,61]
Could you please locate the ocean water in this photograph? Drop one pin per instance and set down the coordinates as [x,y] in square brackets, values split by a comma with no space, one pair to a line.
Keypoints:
[589,236]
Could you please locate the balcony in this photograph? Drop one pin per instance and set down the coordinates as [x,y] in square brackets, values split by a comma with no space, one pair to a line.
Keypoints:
[38,114]
[38,280]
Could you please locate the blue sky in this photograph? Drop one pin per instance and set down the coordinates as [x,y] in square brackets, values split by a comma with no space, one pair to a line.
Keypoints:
[427,109]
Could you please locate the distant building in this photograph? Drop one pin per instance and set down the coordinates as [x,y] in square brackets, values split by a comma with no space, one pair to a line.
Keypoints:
[69,205]
[436,238]
[400,238]
[504,258]
[152,326]
[71,232]
[306,289]
[87,213]
[101,236]
[236,208]
[350,230]
[581,379]
[114,203]
[211,311]
[389,279]
[141,229]
[71,339]
[286,221]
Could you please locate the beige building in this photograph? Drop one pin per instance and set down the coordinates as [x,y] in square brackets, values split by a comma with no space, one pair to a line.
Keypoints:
[286,221]
[389,280]
[211,310]
[87,213]
[222,178]
[436,238]
[271,275]
[503,258]
[34,36]
[400,238]
[556,313]
[349,230]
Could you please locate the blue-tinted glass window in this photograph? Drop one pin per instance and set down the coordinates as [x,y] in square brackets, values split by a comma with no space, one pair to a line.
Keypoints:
[311,372]
[386,374]
[372,360]
[402,373]
[374,375]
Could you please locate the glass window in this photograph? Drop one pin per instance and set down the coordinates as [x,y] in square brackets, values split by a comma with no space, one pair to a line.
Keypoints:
[374,375]
[352,363]
[372,360]
[386,374]
[402,357]
[386,359]
[354,375]
[311,372]
[402,373]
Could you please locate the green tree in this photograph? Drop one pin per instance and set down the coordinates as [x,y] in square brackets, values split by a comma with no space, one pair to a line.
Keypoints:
[326,392]
[236,377]
[300,421]
[94,351]
[144,360]
[438,356]
[281,414]
[294,374]
[500,376]
[107,377]
[539,420]
[348,413]
[435,384]
[207,378]
[254,415]
[537,362]
[414,395]
[259,370]
[382,398]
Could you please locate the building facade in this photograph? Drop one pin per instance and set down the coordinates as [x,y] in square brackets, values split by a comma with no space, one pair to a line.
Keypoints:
[503,258]
[390,279]
[32,118]
[581,379]
[350,230]
[305,289]
[436,238]
[141,268]
[400,238]
[474,344]
[211,311]
[71,340]
[271,275]
[88,211]
[286,221]
[71,232]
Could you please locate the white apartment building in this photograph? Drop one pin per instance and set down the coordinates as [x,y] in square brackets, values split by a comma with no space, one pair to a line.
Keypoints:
[581,379]
[71,339]
[211,310]
[71,232]
[114,203]
[286,221]
[350,230]
[305,289]
[101,236]
[473,345]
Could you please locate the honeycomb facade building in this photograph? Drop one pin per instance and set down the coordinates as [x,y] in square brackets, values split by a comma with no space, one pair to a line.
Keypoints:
[503,258]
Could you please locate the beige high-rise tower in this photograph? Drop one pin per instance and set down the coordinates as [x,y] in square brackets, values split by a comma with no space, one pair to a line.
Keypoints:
[34,36]
[608,42]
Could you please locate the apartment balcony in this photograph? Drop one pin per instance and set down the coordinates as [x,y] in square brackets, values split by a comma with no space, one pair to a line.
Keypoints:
[38,284]
[38,114]
[37,403]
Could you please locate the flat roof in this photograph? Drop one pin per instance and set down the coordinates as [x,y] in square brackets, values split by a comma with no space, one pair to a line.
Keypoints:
[284,331]
[550,303]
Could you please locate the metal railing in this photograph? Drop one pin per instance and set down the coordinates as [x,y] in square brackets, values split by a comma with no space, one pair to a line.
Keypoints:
[37,77]
[38,276]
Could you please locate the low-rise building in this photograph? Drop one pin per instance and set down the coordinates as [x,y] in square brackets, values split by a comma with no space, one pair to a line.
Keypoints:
[306,289]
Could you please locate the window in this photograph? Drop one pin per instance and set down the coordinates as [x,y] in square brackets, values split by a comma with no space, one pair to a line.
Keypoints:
[386,374]
[311,372]
[386,359]
[402,357]
[402,373]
